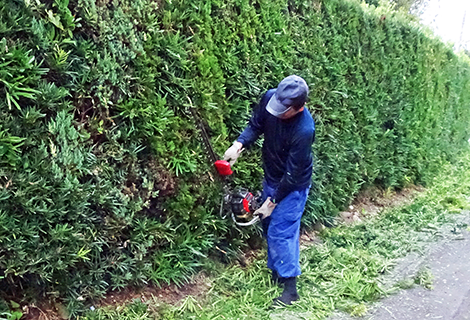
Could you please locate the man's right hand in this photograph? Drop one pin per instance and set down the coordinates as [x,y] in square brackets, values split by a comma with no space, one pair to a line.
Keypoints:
[232,153]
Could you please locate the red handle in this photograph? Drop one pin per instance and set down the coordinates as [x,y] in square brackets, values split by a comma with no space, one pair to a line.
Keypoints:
[223,167]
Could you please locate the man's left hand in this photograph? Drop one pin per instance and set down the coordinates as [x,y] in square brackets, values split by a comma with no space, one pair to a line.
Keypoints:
[266,209]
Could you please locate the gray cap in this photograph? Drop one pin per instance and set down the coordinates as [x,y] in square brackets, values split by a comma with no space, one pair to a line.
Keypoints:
[292,91]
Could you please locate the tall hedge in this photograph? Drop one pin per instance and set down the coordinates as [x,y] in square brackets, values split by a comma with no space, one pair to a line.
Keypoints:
[103,178]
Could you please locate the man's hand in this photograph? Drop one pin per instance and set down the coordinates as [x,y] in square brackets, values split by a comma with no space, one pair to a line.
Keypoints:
[232,153]
[266,209]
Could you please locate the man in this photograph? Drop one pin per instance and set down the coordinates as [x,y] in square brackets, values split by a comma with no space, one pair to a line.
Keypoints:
[289,132]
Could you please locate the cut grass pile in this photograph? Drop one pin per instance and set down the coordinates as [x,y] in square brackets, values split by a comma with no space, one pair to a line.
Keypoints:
[345,271]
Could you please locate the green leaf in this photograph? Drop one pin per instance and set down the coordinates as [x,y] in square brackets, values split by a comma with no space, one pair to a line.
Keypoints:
[54,19]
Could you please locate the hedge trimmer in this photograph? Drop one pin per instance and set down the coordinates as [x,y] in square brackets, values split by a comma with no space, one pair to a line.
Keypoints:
[239,203]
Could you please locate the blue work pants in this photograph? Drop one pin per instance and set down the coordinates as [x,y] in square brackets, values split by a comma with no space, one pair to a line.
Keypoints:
[282,229]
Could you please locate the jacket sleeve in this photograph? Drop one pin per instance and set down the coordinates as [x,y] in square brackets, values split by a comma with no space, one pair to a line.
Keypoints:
[256,124]
[299,161]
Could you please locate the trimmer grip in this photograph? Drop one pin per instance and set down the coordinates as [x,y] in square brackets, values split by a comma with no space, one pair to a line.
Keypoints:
[223,167]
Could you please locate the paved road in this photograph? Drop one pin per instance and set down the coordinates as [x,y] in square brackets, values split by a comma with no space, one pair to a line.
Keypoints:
[449,262]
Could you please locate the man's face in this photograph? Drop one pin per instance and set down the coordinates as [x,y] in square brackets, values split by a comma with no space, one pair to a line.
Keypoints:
[290,113]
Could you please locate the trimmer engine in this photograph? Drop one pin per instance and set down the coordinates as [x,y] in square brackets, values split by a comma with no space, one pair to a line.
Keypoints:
[243,204]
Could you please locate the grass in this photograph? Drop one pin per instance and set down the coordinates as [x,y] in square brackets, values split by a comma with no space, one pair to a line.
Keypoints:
[425,278]
[346,271]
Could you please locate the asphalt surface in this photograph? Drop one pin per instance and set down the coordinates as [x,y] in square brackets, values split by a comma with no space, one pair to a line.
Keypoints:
[448,261]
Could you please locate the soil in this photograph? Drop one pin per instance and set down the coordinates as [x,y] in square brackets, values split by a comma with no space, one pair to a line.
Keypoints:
[366,205]
[372,201]
[44,311]
[169,294]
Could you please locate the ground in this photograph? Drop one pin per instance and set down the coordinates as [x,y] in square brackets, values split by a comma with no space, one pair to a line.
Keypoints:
[442,269]
[440,266]
[369,203]
[169,294]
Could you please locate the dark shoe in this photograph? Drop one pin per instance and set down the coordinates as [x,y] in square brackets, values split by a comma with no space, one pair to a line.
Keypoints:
[276,279]
[289,294]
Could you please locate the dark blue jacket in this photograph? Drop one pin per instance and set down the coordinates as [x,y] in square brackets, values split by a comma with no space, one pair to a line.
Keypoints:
[287,147]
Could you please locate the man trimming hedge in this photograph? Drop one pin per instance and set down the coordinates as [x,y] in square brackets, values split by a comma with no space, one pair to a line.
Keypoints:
[289,132]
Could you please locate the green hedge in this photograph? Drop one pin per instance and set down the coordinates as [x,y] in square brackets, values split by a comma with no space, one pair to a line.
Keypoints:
[103,178]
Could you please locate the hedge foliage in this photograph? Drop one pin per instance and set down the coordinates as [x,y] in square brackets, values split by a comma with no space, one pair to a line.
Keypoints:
[103,179]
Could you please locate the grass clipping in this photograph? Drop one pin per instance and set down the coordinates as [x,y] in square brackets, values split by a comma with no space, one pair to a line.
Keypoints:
[343,272]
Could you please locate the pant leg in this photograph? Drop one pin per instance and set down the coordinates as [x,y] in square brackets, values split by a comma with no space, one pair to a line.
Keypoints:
[283,234]
[268,191]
